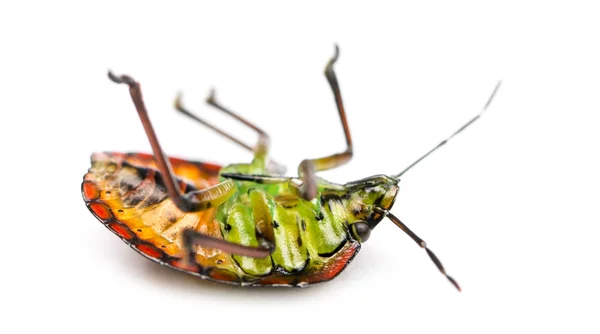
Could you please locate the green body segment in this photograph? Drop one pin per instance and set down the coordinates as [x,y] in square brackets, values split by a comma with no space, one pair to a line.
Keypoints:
[305,232]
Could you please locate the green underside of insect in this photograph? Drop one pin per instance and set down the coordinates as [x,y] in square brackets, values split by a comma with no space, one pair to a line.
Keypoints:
[243,224]
[302,229]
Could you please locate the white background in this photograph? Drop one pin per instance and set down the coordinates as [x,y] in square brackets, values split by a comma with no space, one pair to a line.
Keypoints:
[510,206]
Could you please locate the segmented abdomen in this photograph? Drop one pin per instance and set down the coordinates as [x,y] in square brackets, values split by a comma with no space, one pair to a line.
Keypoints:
[127,194]
[307,234]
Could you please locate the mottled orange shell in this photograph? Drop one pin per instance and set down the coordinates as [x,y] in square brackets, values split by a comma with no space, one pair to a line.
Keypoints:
[125,192]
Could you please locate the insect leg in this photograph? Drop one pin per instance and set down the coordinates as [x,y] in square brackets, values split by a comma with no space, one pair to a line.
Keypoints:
[192,238]
[260,179]
[262,146]
[193,201]
[190,202]
[260,149]
[182,109]
[309,167]
[263,224]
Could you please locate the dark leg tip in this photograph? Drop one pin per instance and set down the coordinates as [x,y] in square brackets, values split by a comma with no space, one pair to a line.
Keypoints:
[454,283]
[210,99]
[336,52]
[178,104]
[121,79]
[334,58]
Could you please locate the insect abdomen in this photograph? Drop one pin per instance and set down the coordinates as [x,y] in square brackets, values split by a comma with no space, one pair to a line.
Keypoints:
[306,235]
[290,253]
[239,228]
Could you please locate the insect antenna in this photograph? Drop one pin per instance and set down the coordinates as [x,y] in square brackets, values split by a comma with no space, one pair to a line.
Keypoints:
[443,142]
[419,242]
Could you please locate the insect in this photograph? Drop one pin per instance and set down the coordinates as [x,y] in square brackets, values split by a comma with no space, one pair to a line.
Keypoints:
[244,224]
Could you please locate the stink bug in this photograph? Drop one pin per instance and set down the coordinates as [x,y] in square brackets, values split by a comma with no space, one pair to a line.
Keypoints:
[244,224]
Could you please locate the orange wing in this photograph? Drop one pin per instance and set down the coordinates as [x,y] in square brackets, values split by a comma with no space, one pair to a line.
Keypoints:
[126,193]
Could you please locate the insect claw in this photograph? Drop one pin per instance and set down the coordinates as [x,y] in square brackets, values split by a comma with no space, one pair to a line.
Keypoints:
[121,79]
[177,103]
[113,77]
[210,99]
[334,58]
